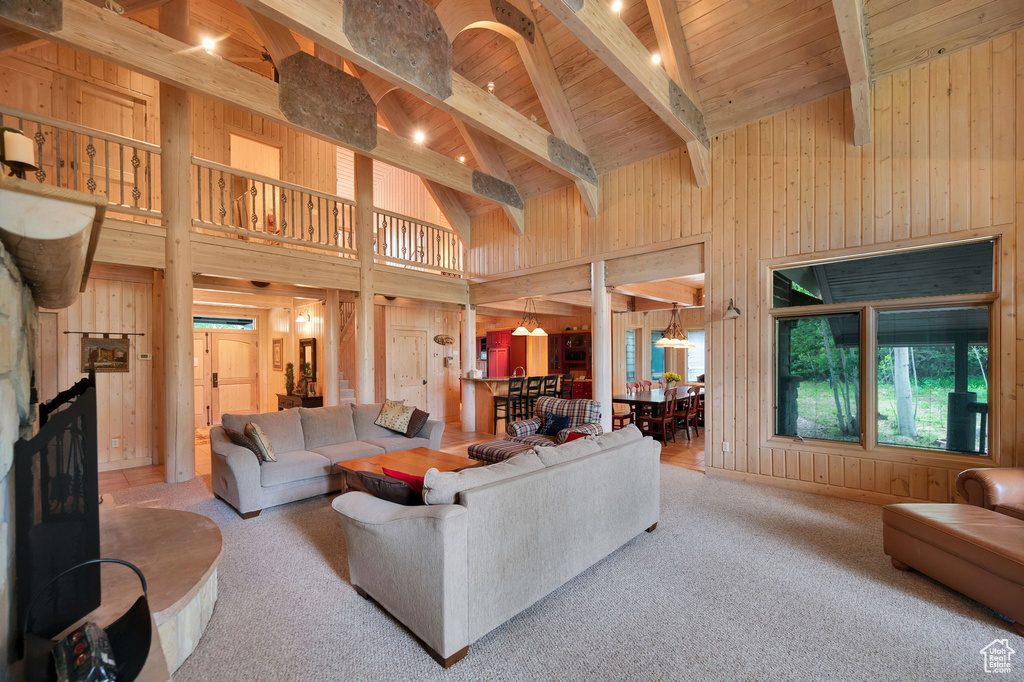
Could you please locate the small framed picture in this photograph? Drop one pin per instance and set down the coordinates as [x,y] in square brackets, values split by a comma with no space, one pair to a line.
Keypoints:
[105,355]
[277,351]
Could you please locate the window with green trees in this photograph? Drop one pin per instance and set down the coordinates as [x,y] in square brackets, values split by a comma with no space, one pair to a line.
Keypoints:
[896,353]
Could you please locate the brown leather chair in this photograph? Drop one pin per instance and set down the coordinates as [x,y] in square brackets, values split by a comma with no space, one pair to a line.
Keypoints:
[1001,490]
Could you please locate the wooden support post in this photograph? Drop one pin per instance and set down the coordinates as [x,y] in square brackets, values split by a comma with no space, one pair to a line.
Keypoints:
[364,301]
[332,350]
[602,342]
[468,363]
[176,204]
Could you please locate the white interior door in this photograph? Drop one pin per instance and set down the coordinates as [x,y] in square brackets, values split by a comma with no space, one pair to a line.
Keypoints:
[235,378]
[409,366]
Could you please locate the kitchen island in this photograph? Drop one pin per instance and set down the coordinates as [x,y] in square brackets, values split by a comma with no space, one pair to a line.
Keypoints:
[486,389]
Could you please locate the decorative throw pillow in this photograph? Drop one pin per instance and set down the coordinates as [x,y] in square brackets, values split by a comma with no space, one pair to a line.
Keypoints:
[552,424]
[390,489]
[241,439]
[416,422]
[263,446]
[415,482]
[394,416]
[574,436]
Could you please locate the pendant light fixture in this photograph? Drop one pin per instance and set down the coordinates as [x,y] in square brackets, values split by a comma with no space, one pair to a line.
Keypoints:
[528,320]
[674,336]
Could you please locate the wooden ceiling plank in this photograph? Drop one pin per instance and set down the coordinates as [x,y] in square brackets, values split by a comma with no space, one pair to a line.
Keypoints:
[103,34]
[322,22]
[486,154]
[614,44]
[850,19]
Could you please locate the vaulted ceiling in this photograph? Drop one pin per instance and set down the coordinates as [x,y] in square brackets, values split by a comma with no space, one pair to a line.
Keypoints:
[748,59]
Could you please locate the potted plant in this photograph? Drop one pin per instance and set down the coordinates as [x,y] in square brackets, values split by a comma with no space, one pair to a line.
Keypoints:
[289,378]
[672,378]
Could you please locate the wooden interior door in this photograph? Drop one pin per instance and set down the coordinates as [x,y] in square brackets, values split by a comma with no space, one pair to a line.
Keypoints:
[409,366]
[113,112]
[235,379]
[202,400]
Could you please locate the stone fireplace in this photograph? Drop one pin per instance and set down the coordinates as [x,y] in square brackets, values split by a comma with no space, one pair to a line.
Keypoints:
[18,327]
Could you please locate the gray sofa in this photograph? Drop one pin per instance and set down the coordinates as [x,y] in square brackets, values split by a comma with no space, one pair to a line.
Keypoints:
[453,572]
[307,442]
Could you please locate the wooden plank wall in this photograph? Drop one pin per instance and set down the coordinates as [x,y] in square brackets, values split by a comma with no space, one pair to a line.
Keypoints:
[394,189]
[113,302]
[946,162]
[645,323]
[442,382]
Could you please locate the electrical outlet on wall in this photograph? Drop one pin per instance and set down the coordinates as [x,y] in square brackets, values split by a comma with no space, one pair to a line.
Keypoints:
[725,446]
[115,442]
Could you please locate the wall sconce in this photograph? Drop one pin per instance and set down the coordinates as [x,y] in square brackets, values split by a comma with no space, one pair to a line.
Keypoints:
[732,312]
[303,317]
[16,152]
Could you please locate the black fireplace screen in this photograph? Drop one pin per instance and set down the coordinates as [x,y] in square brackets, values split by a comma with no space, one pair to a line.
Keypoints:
[57,511]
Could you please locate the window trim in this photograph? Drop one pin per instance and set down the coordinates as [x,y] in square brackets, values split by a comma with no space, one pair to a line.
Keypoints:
[868,446]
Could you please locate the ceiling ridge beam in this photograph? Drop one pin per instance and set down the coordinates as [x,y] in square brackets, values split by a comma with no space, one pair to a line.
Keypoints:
[103,34]
[516,21]
[341,28]
[853,36]
[608,37]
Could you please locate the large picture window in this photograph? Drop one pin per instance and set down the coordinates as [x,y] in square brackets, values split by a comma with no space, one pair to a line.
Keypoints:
[888,350]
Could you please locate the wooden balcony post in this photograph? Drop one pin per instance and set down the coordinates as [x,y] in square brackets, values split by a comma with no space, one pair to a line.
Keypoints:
[602,342]
[332,350]
[175,185]
[468,363]
[364,299]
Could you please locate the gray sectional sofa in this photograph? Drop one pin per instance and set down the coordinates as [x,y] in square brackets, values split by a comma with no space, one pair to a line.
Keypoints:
[307,442]
[513,532]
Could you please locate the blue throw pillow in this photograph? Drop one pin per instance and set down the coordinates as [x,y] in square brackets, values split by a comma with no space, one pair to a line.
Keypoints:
[552,424]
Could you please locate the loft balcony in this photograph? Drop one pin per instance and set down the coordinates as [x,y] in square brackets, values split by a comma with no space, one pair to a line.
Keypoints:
[229,202]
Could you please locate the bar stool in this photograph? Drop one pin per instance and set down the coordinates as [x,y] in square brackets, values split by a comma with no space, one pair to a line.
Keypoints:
[509,407]
[533,391]
[550,386]
[567,382]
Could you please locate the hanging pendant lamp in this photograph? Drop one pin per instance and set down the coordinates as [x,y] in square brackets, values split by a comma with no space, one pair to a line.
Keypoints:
[674,336]
[528,320]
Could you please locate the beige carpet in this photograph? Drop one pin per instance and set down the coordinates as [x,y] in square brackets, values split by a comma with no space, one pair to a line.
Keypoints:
[739,582]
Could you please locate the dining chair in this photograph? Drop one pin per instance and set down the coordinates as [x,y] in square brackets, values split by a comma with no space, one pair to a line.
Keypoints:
[550,386]
[533,391]
[661,422]
[645,384]
[509,407]
[687,412]
[632,386]
[566,390]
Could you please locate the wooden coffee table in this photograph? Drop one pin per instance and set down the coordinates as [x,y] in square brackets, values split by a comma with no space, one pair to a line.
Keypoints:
[414,462]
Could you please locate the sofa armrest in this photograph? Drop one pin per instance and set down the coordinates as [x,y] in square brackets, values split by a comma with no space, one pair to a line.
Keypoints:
[523,427]
[235,472]
[585,429]
[990,487]
[432,430]
[413,562]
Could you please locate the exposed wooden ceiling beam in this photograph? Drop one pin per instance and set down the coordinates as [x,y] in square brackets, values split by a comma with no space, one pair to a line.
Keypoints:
[524,31]
[620,302]
[486,154]
[608,37]
[850,18]
[560,281]
[12,38]
[668,291]
[324,22]
[241,286]
[105,35]
[544,307]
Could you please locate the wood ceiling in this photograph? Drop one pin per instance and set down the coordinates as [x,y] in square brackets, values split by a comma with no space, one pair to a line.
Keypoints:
[749,59]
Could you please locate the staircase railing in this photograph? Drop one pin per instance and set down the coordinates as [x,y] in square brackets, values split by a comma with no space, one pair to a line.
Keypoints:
[124,170]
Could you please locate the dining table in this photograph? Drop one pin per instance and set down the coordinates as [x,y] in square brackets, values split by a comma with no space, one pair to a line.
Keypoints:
[654,399]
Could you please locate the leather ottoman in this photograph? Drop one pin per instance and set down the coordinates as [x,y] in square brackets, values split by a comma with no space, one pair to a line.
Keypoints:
[975,551]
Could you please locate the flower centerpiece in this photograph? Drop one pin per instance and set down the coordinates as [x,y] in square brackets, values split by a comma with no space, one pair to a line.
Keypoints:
[671,378]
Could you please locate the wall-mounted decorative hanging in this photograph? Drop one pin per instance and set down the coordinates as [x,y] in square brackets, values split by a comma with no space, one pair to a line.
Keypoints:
[444,340]
[278,353]
[104,354]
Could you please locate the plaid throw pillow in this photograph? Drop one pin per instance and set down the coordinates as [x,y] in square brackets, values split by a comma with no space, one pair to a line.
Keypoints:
[416,422]
[263,446]
[241,439]
[394,416]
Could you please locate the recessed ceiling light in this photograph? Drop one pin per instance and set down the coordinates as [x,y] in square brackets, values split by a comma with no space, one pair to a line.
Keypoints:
[462,159]
[209,44]
[490,87]
[656,59]
[419,136]
[617,6]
